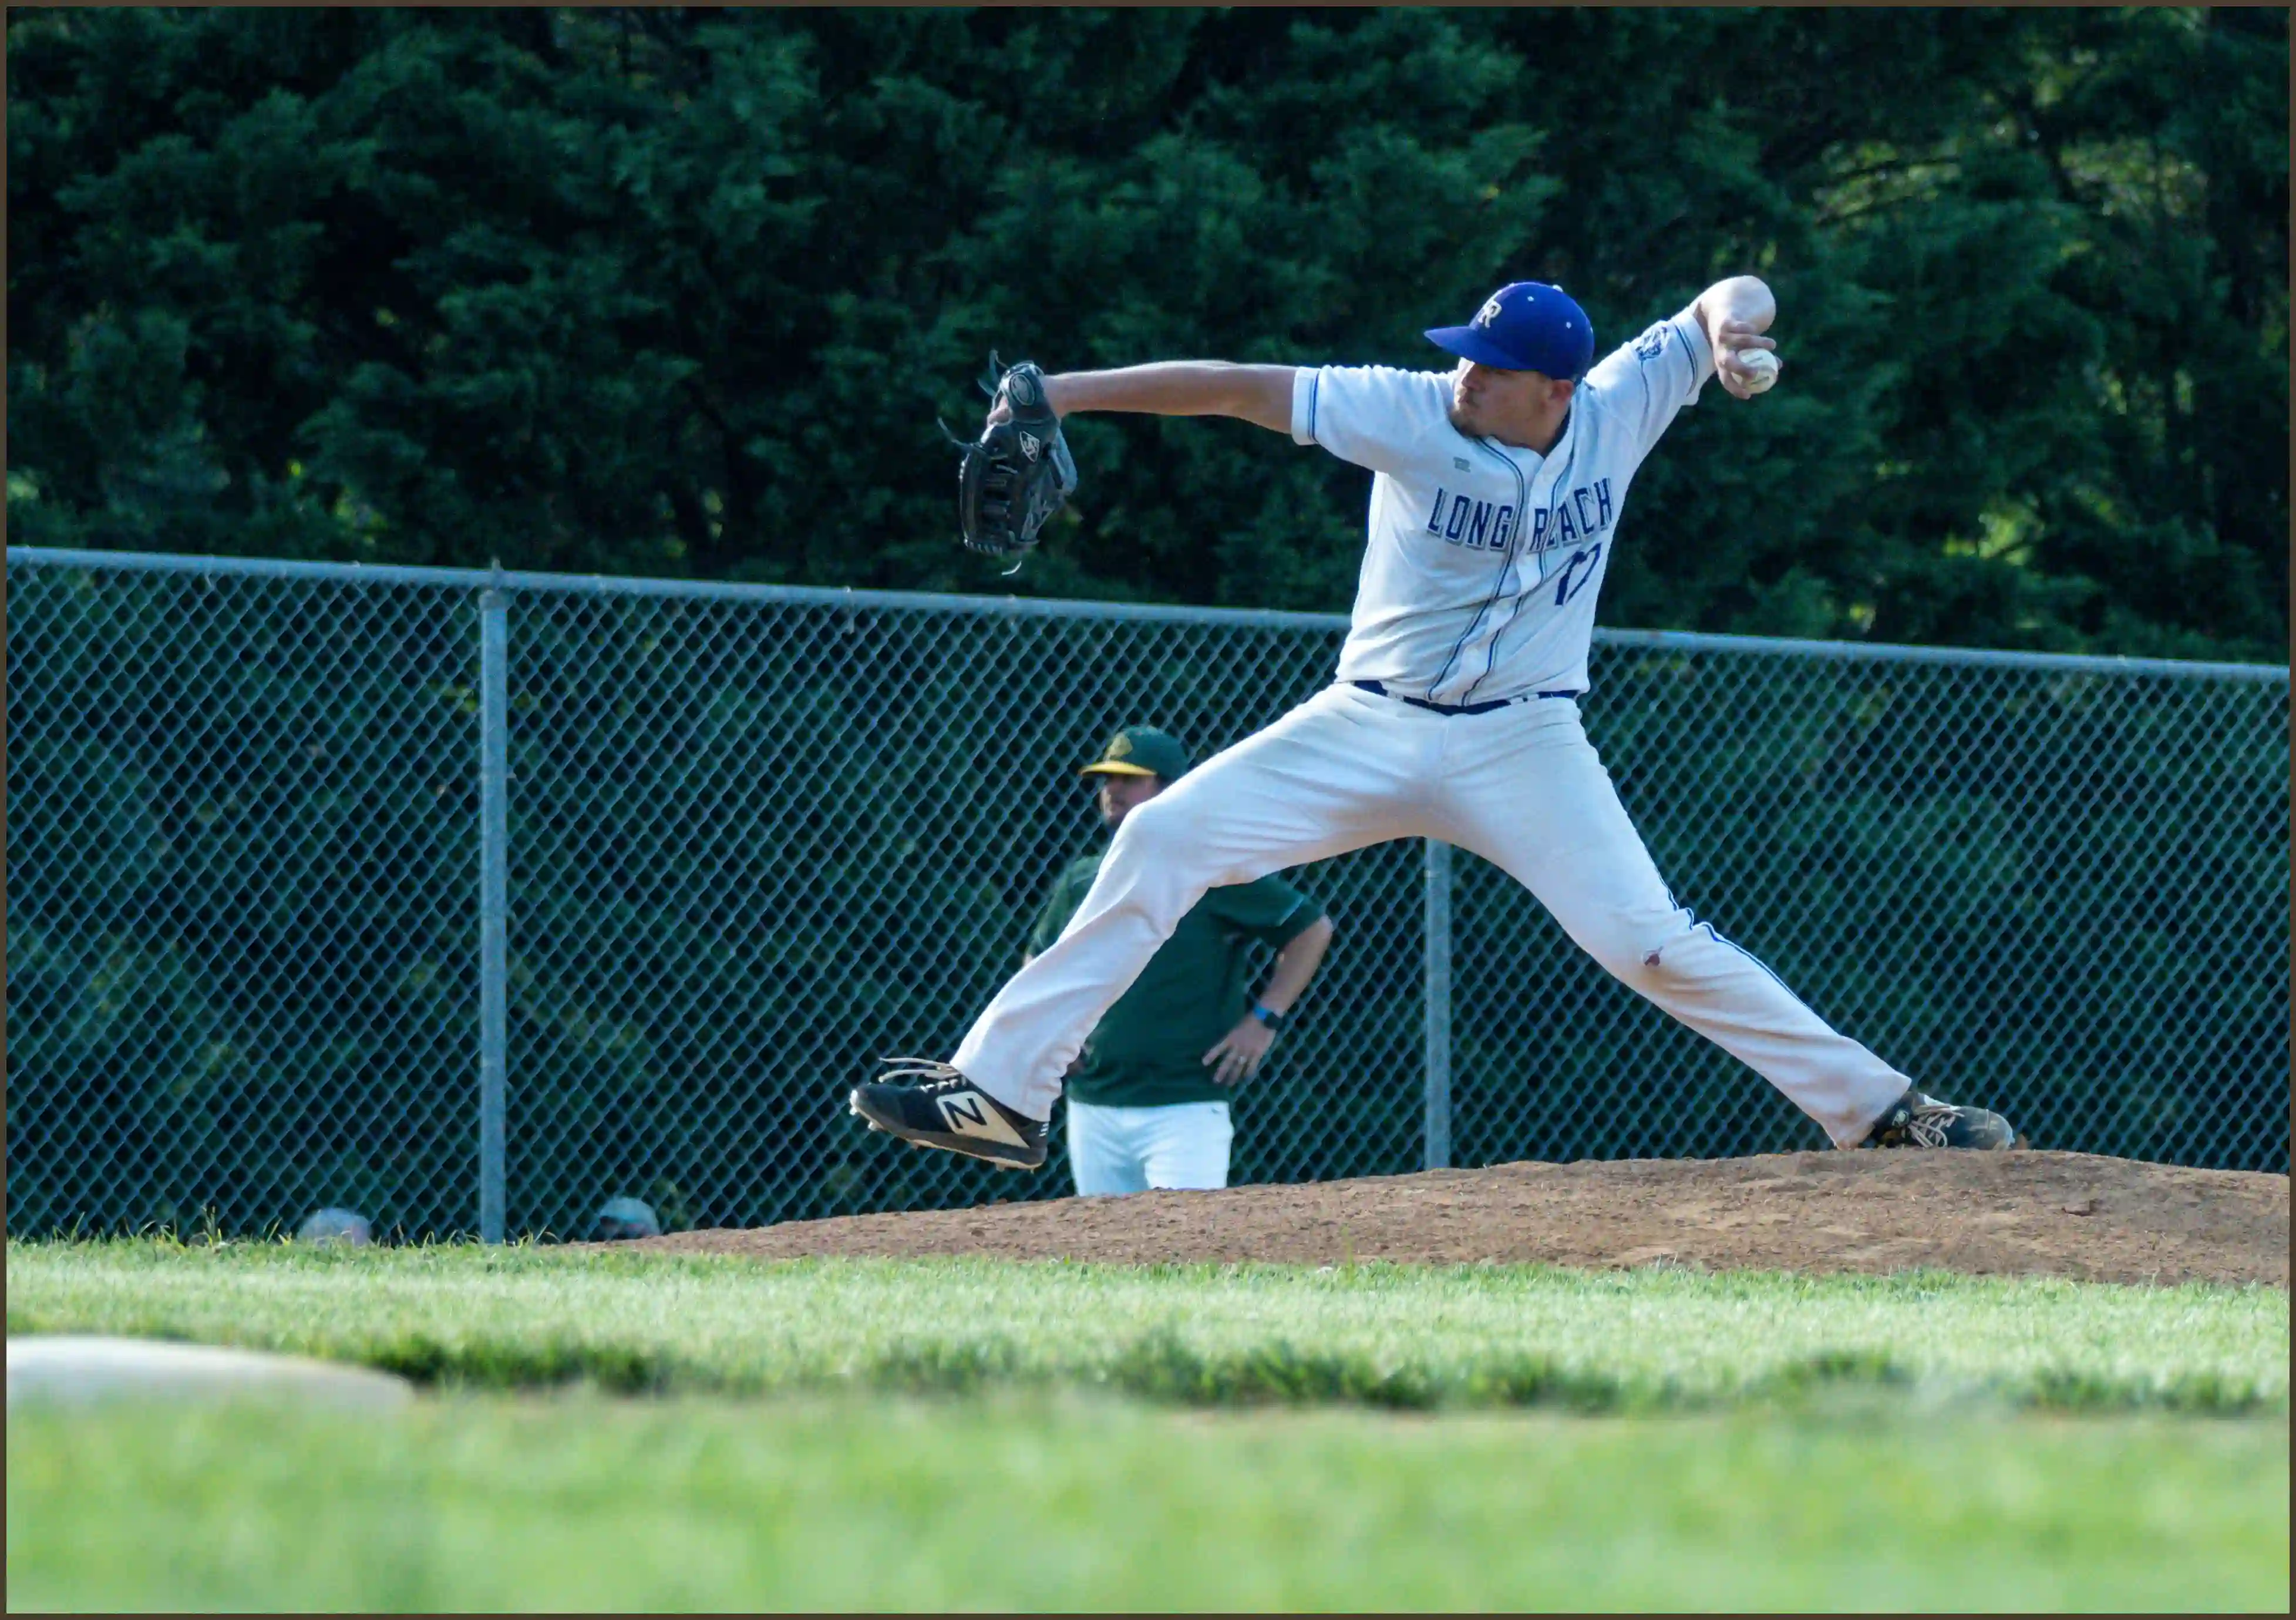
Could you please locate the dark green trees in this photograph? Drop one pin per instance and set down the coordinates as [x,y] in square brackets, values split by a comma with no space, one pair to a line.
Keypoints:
[681,291]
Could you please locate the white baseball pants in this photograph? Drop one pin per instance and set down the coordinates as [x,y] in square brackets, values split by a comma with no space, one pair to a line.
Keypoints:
[1130,1150]
[1520,786]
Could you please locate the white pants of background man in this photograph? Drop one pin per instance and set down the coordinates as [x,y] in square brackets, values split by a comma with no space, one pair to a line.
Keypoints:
[1520,786]
[1130,1150]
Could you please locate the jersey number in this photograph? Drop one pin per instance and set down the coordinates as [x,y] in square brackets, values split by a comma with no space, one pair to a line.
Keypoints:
[1573,580]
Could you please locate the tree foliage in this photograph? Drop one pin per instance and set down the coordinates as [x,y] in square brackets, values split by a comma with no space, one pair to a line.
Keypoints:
[682,290]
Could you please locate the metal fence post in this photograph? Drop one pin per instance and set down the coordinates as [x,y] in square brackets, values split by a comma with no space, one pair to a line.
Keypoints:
[1438,1005]
[494,877]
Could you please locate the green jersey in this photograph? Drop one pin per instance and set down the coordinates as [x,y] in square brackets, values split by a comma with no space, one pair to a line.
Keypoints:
[1148,1050]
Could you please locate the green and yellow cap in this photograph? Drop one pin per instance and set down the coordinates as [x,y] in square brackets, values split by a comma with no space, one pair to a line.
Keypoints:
[1140,751]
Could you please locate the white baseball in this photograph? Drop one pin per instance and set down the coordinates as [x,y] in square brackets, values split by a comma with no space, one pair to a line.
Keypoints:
[1763,365]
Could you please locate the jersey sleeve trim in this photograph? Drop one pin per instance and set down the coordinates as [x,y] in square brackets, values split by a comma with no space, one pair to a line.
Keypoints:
[1701,352]
[1266,909]
[1296,922]
[1306,386]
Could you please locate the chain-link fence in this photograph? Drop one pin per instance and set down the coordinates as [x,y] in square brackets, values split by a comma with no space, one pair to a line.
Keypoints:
[473,902]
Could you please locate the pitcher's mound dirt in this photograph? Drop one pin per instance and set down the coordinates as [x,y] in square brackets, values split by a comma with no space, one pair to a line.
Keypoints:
[2060,1214]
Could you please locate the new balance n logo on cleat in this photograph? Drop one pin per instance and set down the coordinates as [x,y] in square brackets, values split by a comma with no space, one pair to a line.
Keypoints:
[976,1114]
[931,1104]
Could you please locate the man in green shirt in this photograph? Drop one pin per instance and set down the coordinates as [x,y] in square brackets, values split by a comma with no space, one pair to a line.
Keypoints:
[1148,1093]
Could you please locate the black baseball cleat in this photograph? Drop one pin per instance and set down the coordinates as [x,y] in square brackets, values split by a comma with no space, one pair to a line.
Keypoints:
[1917,1120]
[933,1105]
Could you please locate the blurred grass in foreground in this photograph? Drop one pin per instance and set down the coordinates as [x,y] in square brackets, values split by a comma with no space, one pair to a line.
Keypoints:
[581,1503]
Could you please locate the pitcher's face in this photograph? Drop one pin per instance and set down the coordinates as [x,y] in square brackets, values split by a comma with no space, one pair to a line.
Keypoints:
[1518,407]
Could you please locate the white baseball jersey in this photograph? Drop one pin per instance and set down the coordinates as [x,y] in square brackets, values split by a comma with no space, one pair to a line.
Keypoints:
[1482,562]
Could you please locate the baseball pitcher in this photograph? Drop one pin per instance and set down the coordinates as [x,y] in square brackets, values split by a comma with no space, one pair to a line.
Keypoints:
[1499,496]
[1148,1097]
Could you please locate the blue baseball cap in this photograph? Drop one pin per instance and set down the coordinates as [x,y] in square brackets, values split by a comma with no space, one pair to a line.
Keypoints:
[1526,325]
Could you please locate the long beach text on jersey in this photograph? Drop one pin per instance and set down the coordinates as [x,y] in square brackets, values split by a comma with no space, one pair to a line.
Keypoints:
[1482,562]
[1583,513]
[1481,525]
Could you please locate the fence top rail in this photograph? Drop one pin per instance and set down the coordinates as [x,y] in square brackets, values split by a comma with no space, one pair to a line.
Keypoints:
[1040,607]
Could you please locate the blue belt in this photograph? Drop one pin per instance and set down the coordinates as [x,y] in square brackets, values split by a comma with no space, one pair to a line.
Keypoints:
[1379,689]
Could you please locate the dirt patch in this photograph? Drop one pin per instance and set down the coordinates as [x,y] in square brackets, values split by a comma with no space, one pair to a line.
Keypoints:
[2058,1214]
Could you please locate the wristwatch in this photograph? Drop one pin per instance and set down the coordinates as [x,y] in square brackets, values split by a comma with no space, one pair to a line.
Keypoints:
[1267,1016]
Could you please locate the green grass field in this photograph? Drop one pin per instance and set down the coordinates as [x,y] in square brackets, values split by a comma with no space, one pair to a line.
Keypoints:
[1394,1336]
[966,1435]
